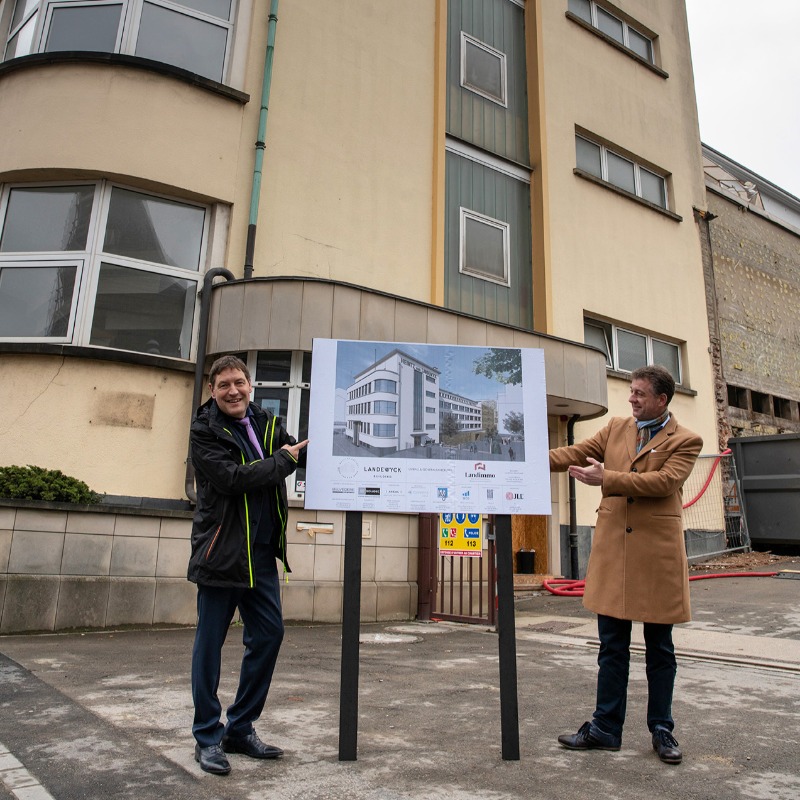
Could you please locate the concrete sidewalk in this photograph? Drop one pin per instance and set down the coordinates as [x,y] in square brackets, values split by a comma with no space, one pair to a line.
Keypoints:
[98,715]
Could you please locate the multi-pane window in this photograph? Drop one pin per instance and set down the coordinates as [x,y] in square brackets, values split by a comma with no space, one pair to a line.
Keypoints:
[99,264]
[484,247]
[483,69]
[616,28]
[282,385]
[620,171]
[193,34]
[627,350]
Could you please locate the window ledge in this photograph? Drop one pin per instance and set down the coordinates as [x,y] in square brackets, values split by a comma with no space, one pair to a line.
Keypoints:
[635,197]
[97,354]
[626,376]
[614,43]
[123,60]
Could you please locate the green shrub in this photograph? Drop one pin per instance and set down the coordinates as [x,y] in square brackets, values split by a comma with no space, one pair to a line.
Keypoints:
[37,483]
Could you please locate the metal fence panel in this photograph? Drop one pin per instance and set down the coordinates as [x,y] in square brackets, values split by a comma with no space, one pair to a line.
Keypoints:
[713,518]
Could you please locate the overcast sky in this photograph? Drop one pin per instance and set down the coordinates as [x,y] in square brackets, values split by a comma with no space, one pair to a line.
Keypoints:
[747,79]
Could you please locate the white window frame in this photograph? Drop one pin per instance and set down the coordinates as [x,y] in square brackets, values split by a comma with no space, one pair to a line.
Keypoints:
[637,168]
[91,259]
[626,28]
[50,5]
[29,263]
[612,354]
[296,386]
[467,213]
[130,21]
[501,56]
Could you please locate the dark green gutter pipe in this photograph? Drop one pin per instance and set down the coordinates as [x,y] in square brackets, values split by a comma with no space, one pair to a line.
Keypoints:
[199,367]
[574,567]
[260,143]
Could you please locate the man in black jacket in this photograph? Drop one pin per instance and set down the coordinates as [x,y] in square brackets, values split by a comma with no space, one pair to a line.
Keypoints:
[241,457]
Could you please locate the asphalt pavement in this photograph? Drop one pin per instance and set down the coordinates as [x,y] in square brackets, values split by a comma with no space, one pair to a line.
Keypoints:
[101,715]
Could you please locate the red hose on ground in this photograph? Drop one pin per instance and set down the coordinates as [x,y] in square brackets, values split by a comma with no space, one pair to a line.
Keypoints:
[564,587]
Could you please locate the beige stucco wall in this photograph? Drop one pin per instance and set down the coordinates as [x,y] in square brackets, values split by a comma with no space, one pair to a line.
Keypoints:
[93,119]
[607,251]
[347,189]
[123,429]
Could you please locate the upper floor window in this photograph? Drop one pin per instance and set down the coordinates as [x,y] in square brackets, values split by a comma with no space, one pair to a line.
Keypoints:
[616,28]
[483,69]
[621,171]
[100,264]
[627,350]
[193,34]
[484,247]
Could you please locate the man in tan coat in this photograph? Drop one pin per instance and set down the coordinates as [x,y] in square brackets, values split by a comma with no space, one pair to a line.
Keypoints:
[638,569]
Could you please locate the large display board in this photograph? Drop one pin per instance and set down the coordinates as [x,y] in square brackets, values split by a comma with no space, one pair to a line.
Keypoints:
[405,427]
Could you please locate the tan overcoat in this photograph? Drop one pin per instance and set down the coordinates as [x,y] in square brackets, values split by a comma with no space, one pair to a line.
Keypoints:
[637,568]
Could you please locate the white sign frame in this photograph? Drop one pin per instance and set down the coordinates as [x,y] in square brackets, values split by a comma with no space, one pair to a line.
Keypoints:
[375,429]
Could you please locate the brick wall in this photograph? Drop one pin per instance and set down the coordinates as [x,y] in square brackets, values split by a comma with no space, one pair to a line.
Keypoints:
[753,295]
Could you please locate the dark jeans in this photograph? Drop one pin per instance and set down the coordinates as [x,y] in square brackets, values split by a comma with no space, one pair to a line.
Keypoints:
[260,608]
[612,678]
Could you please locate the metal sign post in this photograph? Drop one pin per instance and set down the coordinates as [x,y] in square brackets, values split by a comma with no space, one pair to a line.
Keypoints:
[351,619]
[507,640]
[351,625]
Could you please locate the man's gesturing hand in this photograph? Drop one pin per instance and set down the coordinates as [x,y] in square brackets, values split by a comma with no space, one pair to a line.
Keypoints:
[591,475]
[294,449]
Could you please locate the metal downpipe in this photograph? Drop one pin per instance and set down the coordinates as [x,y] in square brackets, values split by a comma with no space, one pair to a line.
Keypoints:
[255,192]
[202,341]
[574,567]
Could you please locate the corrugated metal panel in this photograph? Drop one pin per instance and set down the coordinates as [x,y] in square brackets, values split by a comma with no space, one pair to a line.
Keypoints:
[471,117]
[769,471]
[496,195]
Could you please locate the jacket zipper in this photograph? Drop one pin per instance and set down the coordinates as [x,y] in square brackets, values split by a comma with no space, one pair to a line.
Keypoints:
[247,521]
[282,539]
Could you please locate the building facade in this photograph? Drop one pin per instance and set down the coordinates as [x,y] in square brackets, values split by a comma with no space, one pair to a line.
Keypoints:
[478,172]
[751,258]
[393,405]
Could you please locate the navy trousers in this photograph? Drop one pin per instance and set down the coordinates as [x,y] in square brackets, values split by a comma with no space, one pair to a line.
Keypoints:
[613,661]
[260,608]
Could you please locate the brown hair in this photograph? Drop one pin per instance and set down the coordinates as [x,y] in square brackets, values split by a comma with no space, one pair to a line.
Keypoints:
[658,377]
[227,362]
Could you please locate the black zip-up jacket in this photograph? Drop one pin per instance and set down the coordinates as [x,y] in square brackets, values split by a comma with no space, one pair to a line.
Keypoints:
[222,537]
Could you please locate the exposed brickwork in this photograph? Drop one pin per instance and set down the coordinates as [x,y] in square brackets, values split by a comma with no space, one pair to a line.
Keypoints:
[753,295]
[720,391]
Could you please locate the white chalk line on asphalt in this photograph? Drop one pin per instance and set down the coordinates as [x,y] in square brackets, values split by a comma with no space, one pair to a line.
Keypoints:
[18,780]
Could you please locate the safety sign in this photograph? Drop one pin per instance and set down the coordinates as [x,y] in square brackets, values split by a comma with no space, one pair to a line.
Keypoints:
[461,535]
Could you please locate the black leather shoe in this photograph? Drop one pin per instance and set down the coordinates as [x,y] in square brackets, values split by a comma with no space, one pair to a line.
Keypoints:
[590,737]
[666,746]
[251,746]
[212,759]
